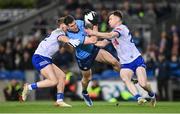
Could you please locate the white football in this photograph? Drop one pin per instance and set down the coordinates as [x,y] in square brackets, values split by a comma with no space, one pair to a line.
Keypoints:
[88,17]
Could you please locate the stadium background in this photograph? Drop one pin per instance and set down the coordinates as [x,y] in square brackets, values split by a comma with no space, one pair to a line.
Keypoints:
[154,24]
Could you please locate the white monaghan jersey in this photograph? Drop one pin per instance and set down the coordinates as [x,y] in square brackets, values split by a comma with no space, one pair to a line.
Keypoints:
[126,49]
[50,45]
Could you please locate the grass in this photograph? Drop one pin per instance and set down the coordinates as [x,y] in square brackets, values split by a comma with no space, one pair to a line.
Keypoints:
[80,107]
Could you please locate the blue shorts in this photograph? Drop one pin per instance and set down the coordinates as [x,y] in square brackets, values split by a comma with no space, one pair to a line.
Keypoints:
[86,63]
[39,62]
[139,61]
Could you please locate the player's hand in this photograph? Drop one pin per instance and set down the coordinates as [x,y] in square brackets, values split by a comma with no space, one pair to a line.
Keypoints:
[74,42]
[94,39]
[90,32]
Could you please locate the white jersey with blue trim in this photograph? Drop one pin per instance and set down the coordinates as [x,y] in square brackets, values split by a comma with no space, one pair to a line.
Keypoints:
[126,49]
[50,45]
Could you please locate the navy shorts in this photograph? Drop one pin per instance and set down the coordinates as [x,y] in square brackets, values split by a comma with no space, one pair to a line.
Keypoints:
[86,63]
[139,61]
[39,62]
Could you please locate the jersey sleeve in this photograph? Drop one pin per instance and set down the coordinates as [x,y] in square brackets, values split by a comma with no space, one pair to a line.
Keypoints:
[58,33]
[118,30]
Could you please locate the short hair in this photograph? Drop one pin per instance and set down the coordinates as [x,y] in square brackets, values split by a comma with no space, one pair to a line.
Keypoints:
[68,19]
[60,20]
[117,13]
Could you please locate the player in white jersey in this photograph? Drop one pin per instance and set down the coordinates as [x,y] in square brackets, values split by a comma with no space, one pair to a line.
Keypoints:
[130,58]
[42,61]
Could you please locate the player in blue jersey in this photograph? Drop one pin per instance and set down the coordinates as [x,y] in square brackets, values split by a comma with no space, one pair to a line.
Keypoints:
[130,58]
[42,61]
[87,52]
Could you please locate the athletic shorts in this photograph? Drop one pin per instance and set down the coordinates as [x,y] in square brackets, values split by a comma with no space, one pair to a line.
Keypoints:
[39,62]
[86,63]
[139,61]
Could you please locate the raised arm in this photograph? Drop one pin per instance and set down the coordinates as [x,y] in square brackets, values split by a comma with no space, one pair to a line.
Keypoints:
[107,35]
[90,40]
[65,39]
[102,43]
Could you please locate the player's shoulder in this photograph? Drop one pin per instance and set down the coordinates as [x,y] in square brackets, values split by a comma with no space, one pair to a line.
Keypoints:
[58,31]
[120,27]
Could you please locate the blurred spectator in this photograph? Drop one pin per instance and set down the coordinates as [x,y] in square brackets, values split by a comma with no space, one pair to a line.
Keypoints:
[175,47]
[103,26]
[30,46]
[163,10]
[165,45]
[174,29]
[12,90]
[139,10]
[150,13]
[78,13]
[2,51]
[9,57]
[174,66]
[71,5]
[150,59]
[26,61]
[95,91]
[18,61]
[138,40]
[127,8]
[163,42]
[86,4]
[40,24]
[162,77]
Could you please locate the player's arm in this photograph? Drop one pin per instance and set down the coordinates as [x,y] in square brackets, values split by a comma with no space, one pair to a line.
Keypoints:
[102,43]
[90,40]
[65,39]
[107,35]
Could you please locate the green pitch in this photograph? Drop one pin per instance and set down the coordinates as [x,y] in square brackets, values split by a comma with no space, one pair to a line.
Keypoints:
[80,107]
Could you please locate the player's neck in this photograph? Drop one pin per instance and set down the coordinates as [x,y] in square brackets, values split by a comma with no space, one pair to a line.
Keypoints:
[118,24]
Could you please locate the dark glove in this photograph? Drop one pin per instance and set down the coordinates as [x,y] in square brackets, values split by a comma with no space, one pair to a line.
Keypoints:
[95,16]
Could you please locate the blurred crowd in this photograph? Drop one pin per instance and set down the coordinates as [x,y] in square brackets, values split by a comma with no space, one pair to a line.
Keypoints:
[162,57]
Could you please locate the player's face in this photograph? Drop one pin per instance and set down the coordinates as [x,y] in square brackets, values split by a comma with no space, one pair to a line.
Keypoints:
[63,27]
[73,26]
[113,20]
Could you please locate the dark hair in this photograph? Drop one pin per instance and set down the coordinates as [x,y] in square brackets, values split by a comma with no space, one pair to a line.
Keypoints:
[117,13]
[68,19]
[60,20]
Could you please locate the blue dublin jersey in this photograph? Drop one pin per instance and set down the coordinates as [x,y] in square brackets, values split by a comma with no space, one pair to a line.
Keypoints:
[82,51]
